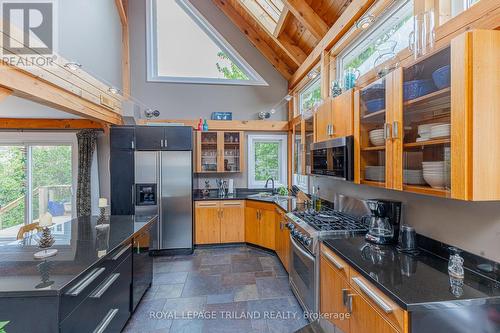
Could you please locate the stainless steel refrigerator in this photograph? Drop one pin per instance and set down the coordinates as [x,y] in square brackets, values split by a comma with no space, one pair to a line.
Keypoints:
[164,186]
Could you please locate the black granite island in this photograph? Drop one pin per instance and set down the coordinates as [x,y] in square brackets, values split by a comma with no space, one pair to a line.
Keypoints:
[93,283]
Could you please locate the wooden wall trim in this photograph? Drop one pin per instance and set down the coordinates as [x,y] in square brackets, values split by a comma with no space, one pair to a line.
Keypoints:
[27,86]
[48,124]
[4,93]
[227,125]
[122,8]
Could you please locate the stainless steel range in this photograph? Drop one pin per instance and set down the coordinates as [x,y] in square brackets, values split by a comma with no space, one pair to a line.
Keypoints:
[307,229]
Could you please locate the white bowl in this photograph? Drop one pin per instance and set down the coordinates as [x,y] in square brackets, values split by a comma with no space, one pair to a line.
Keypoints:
[427,127]
[435,182]
[433,163]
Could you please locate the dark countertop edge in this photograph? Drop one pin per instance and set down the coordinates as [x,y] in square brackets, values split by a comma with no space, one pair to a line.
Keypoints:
[413,306]
[58,292]
[243,197]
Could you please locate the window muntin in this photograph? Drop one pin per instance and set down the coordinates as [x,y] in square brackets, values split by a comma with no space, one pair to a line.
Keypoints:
[394,27]
[267,157]
[310,96]
[183,47]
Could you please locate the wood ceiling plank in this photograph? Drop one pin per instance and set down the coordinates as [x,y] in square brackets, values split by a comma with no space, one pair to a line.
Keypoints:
[308,17]
[255,37]
[353,12]
[48,124]
[293,48]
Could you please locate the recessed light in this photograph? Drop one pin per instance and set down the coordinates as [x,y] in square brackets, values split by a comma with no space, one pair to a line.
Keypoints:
[273,111]
[73,66]
[113,90]
[364,22]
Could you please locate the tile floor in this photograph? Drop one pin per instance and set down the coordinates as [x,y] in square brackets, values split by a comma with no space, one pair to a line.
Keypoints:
[219,290]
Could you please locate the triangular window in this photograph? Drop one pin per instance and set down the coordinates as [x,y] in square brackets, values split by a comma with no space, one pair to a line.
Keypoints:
[183,47]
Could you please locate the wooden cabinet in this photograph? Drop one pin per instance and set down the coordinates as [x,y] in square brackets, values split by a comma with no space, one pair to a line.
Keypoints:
[207,222]
[344,291]
[428,127]
[260,224]
[219,222]
[335,117]
[232,223]
[219,152]
[282,242]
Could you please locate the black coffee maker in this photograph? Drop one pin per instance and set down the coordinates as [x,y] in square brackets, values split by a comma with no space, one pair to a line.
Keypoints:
[383,223]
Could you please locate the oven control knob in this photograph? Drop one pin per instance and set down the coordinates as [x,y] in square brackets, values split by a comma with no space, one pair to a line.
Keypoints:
[307,241]
[290,225]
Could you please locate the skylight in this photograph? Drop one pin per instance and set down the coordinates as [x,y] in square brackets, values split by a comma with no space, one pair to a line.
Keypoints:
[267,12]
[184,47]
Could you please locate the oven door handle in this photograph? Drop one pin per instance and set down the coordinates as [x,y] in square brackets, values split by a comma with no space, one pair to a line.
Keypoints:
[302,251]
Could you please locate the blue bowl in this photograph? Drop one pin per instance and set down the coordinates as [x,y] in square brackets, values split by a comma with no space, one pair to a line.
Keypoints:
[375,105]
[417,88]
[442,77]
[373,92]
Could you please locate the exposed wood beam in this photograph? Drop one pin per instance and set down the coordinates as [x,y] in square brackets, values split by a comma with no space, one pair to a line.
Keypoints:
[294,50]
[281,22]
[125,53]
[228,125]
[27,86]
[48,124]
[353,12]
[308,17]
[122,12]
[254,38]
[4,93]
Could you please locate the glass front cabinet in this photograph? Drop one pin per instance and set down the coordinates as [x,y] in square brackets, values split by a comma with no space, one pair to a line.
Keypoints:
[303,136]
[219,152]
[433,127]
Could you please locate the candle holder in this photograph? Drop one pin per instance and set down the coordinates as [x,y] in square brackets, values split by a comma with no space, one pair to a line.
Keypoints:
[103,219]
[46,241]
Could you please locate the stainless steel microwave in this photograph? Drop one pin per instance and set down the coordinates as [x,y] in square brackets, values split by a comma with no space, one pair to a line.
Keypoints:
[334,158]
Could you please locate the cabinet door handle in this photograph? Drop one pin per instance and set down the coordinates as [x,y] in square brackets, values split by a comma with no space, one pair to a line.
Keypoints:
[105,286]
[387,131]
[349,302]
[166,143]
[333,261]
[332,129]
[122,251]
[85,282]
[345,294]
[373,295]
[103,325]
[395,129]
[132,144]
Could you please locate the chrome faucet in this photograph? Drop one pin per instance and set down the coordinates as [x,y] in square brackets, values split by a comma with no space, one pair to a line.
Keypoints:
[267,183]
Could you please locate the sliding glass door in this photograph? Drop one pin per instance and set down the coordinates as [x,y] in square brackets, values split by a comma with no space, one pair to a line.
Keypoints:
[34,179]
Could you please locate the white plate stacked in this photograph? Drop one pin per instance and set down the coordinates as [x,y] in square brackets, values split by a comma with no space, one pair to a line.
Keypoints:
[435,174]
[413,177]
[424,131]
[377,137]
[375,173]
[440,131]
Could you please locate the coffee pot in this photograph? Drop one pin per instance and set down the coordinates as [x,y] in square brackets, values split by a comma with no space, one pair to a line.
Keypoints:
[383,222]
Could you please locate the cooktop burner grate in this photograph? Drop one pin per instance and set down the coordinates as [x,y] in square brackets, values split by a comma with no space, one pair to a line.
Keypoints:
[331,220]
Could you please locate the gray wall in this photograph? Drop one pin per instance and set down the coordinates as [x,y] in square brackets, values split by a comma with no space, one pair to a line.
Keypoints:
[90,33]
[191,101]
[472,226]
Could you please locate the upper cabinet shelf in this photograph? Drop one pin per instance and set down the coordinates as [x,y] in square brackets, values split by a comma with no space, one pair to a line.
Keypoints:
[219,152]
[432,127]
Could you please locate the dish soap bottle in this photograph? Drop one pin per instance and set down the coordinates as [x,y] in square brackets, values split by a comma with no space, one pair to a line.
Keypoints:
[200,125]
[205,125]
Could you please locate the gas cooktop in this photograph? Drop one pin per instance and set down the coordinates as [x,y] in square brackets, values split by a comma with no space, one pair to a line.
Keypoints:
[330,220]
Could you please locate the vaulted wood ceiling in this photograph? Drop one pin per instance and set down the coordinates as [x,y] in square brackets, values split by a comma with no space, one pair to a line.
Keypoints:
[285,40]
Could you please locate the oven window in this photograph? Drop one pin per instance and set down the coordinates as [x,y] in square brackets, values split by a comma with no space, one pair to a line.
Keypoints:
[303,271]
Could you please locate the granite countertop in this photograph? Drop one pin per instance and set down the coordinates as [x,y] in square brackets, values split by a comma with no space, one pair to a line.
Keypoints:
[415,282]
[287,204]
[80,246]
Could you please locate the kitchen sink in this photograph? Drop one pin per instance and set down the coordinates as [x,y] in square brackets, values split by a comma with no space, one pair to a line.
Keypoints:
[269,196]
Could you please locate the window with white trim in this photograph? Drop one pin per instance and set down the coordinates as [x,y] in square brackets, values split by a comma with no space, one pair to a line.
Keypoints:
[267,157]
[310,96]
[385,38]
[37,175]
[184,47]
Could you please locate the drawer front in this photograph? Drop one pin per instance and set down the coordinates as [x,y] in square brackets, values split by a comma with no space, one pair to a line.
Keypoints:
[388,309]
[106,309]
[233,203]
[207,204]
[75,293]
[338,264]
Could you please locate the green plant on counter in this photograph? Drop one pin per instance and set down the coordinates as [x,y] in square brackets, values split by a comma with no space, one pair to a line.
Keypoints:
[2,326]
[282,191]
